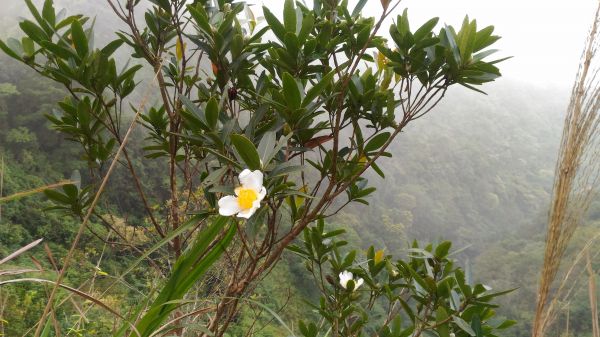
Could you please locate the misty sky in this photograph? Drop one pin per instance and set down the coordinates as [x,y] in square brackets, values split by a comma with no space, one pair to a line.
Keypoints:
[545,37]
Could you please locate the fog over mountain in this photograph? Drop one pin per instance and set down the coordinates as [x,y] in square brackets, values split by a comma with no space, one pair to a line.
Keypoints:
[478,170]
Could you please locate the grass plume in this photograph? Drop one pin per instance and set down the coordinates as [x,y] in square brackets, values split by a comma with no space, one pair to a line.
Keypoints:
[576,173]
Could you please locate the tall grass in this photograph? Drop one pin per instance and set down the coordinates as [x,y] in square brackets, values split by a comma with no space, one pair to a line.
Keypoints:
[576,174]
[1,183]
[592,295]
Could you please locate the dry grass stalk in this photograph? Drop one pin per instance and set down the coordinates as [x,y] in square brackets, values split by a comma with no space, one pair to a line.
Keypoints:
[577,171]
[568,319]
[1,183]
[36,190]
[563,294]
[592,295]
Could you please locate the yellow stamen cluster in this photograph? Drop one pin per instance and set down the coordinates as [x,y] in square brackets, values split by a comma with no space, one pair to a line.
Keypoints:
[246,197]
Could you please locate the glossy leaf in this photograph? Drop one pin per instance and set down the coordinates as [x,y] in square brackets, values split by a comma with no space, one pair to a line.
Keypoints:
[246,150]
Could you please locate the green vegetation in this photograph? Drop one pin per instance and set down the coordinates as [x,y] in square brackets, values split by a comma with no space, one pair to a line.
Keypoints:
[479,169]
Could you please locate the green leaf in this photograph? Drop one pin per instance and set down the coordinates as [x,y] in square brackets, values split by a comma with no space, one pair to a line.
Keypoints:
[193,108]
[425,29]
[476,325]
[441,251]
[377,142]
[33,31]
[246,150]
[289,16]
[467,39]
[317,89]
[212,112]
[79,39]
[307,26]
[449,34]
[442,315]
[200,16]
[110,48]
[359,7]
[48,12]
[488,297]
[28,48]
[266,147]
[57,197]
[41,21]
[9,51]
[292,92]
[64,53]
[275,25]
[463,325]
[484,38]
[506,324]
[189,268]
[47,328]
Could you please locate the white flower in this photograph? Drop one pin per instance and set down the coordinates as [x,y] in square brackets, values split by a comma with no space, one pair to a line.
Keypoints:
[247,196]
[346,276]
[326,242]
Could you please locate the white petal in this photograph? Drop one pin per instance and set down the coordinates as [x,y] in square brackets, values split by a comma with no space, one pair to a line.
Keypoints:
[358,283]
[244,173]
[262,193]
[247,213]
[237,190]
[345,276]
[228,205]
[251,179]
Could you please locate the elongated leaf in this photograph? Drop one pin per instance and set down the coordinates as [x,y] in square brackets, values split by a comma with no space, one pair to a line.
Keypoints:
[188,269]
[28,47]
[289,16]
[192,107]
[36,14]
[266,146]
[442,315]
[463,325]
[79,39]
[246,150]
[359,7]
[62,52]
[33,31]
[110,48]
[292,93]
[275,25]
[212,112]
[377,142]
[9,51]
[168,238]
[48,12]
[425,29]
[317,89]
[199,15]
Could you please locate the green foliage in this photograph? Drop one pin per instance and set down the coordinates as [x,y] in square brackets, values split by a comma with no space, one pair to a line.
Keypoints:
[300,109]
[188,269]
[424,294]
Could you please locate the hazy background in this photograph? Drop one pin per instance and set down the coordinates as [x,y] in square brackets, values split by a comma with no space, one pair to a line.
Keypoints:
[477,170]
[545,37]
